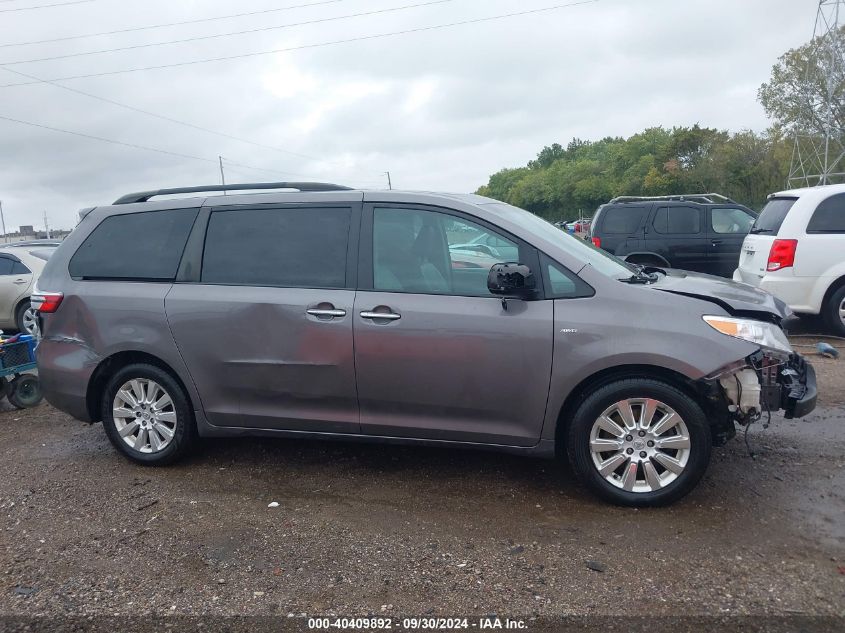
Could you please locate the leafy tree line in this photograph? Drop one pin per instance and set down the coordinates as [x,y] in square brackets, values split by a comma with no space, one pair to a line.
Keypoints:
[563,182]
[805,95]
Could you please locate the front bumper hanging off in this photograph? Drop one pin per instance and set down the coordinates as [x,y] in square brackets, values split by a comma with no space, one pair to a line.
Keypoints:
[790,386]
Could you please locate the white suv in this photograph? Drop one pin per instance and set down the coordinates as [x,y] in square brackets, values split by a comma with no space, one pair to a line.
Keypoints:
[796,251]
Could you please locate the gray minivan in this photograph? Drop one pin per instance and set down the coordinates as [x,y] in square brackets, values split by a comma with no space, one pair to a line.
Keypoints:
[314,310]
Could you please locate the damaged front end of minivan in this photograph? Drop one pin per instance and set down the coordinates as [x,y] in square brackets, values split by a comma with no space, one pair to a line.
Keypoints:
[771,379]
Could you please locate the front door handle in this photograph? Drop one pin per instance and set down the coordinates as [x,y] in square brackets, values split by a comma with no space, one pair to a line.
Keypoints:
[319,312]
[388,316]
[716,242]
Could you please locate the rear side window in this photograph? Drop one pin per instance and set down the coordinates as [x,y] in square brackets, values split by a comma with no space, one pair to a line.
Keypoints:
[773,215]
[6,265]
[829,216]
[304,248]
[135,246]
[19,269]
[622,220]
[677,220]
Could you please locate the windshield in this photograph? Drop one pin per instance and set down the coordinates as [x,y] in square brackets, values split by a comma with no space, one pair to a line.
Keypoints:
[602,261]
[773,215]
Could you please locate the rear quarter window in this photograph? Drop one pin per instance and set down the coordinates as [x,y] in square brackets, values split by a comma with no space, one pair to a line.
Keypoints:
[829,216]
[773,215]
[621,220]
[135,246]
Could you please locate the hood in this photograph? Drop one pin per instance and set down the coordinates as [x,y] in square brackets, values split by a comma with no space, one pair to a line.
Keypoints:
[736,298]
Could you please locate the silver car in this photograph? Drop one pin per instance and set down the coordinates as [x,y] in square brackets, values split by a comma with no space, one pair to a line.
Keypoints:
[344,314]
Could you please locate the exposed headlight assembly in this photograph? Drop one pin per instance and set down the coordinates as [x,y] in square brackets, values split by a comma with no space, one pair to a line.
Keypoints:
[760,333]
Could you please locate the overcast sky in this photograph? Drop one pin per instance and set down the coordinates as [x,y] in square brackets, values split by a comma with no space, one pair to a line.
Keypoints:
[440,109]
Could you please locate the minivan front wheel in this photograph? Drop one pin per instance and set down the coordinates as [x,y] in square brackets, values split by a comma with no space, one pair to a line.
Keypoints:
[146,415]
[639,442]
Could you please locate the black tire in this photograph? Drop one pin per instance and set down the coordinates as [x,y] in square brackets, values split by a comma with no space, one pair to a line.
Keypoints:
[20,311]
[831,312]
[25,391]
[184,437]
[4,387]
[580,455]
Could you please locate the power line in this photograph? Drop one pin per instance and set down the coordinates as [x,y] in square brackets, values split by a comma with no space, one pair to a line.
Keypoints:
[231,34]
[161,116]
[106,140]
[141,147]
[46,6]
[134,29]
[310,46]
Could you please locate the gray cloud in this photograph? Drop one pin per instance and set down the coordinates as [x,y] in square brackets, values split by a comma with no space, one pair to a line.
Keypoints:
[440,109]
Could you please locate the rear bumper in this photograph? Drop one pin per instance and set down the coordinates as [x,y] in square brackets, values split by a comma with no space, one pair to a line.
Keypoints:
[799,293]
[65,367]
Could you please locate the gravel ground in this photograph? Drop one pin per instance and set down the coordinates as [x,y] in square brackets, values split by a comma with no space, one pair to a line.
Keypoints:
[405,531]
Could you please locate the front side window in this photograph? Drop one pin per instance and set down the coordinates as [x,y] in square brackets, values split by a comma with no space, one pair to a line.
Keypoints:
[429,252]
[829,216]
[293,247]
[730,221]
[562,283]
[135,246]
[677,220]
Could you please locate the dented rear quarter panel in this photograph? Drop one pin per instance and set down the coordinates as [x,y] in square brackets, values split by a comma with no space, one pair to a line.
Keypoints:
[98,319]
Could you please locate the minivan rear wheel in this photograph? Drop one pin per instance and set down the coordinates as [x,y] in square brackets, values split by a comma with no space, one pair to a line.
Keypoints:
[835,312]
[639,442]
[147,416]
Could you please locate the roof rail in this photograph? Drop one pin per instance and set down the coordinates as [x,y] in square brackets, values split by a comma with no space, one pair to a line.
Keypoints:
[144,196]
[707,198]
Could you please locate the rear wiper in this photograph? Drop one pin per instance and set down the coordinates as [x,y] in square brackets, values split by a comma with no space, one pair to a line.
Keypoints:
[759,230]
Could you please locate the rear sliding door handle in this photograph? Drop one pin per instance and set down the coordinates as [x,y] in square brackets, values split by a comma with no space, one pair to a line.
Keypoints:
[317,312]
[389,316]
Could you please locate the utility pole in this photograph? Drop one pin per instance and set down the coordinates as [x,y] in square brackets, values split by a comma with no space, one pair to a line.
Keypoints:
[389,184]
[46,225]
[222,175]
[3,220]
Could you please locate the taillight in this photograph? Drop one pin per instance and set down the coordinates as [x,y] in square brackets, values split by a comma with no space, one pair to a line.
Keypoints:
[597,242]
[46,302]
[782,255]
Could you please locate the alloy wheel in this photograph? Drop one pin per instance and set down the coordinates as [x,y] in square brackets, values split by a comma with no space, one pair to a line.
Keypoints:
[30,322]
[144,415]
[842,311]
[640,445]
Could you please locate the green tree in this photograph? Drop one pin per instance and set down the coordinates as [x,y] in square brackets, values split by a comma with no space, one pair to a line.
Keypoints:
[796,95]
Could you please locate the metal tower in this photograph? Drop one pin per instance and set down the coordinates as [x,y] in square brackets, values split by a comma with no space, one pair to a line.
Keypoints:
[818,154]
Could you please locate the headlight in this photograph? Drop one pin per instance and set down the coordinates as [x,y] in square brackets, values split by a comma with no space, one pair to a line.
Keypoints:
[758,332]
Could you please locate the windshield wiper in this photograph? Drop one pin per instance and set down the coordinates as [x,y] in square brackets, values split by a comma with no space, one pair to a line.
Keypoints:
[641,276]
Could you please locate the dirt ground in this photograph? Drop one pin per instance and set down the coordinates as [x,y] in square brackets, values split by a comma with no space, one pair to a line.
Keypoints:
[395,531]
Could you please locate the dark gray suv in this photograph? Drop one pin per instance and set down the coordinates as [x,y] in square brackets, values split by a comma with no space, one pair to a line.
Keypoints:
[313,310]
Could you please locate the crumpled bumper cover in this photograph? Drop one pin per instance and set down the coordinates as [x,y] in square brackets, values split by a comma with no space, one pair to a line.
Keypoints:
[790,386]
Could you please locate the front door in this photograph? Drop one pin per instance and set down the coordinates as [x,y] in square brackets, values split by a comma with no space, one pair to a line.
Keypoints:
[438,356]
[266,330]
[728,228]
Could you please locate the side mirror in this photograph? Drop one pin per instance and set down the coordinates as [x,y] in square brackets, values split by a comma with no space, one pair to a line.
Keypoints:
[511,280]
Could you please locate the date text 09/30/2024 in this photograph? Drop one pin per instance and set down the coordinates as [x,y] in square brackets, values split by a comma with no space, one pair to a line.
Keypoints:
[429,624]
